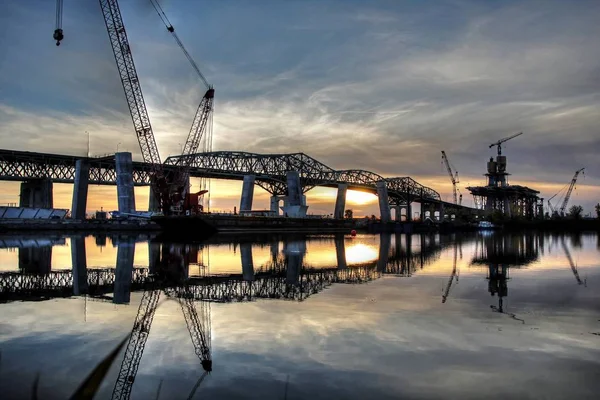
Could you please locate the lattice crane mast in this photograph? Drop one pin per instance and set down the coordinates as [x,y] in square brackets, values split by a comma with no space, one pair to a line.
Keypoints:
[453,178]
[571,263]
[202,123]
[449,284]
[565,202]
[198,326]
[499,142]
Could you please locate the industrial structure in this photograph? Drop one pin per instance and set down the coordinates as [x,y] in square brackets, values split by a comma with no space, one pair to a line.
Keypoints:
[500,196]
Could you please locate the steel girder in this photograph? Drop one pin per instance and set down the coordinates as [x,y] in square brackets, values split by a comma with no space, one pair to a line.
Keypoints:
[23,165]
[273,167]
[270,171]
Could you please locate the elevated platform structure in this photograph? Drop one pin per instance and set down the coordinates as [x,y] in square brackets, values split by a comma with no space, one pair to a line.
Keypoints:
[499,196]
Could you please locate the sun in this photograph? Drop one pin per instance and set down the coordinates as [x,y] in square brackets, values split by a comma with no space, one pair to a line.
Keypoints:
[359,198]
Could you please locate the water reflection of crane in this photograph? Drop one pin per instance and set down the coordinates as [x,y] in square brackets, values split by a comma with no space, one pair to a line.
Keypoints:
[170,271]
[571,263]
[454,274]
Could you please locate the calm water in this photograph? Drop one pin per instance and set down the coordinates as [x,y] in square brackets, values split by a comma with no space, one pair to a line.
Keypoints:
[320,317]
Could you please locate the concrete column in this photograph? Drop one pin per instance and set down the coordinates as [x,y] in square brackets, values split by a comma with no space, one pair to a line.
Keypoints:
[385,240]
[274,251]
[409,212]
[294,188]
[125,193]
[384,207]
[294,207]
[80,189]
[340,201]
[79,265]
[398,213]
[275,204]
[37,260]
[294,253]
[153,257]
[247,193]
[247,261]
[441,211]
[153,201]
[36,193]
[340,251]
[123,272]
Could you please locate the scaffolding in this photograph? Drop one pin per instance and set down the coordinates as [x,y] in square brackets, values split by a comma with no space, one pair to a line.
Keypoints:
[498,195]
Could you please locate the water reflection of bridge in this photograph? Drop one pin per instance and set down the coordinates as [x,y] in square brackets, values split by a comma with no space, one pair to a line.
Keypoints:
[285,276]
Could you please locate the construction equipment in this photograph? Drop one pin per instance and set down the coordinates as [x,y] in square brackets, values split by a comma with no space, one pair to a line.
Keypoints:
[202,123]
[58,32]
[170,188]
[565,201]
[453,178]
[499,142]
[449,285]
[571,263]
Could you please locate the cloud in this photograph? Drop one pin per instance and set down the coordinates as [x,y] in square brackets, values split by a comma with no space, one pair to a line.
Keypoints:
[382,88]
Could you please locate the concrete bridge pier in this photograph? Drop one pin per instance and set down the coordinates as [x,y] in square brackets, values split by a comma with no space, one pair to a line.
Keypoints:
[275,204]
[296,202]
[125,192]
[247,262]
[36,260]
[340,201]
[274,251]
[80,189]
[247,193]
[36,193]
[340,251]
[384,204]
[124,271]
[385,240]
[294,254]
[153,257]
[153,201]
[79,265]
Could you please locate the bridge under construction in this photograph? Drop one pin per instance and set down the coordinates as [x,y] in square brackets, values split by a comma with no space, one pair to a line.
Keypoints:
[276,173]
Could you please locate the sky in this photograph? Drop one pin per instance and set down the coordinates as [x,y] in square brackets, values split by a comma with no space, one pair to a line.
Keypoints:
[380,85]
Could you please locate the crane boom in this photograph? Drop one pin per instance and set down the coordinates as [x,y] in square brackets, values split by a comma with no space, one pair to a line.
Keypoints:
[499,142]
[453,178]
[136,344]
[449,285]
[571,263]
[565,202]
[130,81]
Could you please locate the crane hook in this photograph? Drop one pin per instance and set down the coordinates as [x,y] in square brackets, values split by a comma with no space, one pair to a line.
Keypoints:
[58,36]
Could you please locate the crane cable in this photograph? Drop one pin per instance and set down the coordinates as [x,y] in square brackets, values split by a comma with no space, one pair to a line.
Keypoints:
[171,29]
[58,32]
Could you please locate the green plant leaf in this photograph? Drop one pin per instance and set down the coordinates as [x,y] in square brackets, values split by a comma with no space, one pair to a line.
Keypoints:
[87,390]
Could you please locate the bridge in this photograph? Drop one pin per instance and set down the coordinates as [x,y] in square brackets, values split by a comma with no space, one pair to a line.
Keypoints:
[276,173]
[285,276]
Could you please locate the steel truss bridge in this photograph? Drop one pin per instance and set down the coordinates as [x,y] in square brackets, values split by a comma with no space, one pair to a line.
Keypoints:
[273,281]
[269,170]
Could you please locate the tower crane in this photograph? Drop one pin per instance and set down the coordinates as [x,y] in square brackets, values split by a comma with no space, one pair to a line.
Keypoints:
[453,178]
[499,142]
[565,202]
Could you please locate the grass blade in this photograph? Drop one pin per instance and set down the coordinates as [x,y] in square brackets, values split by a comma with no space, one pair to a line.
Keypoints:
[87,390]
[34,387]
